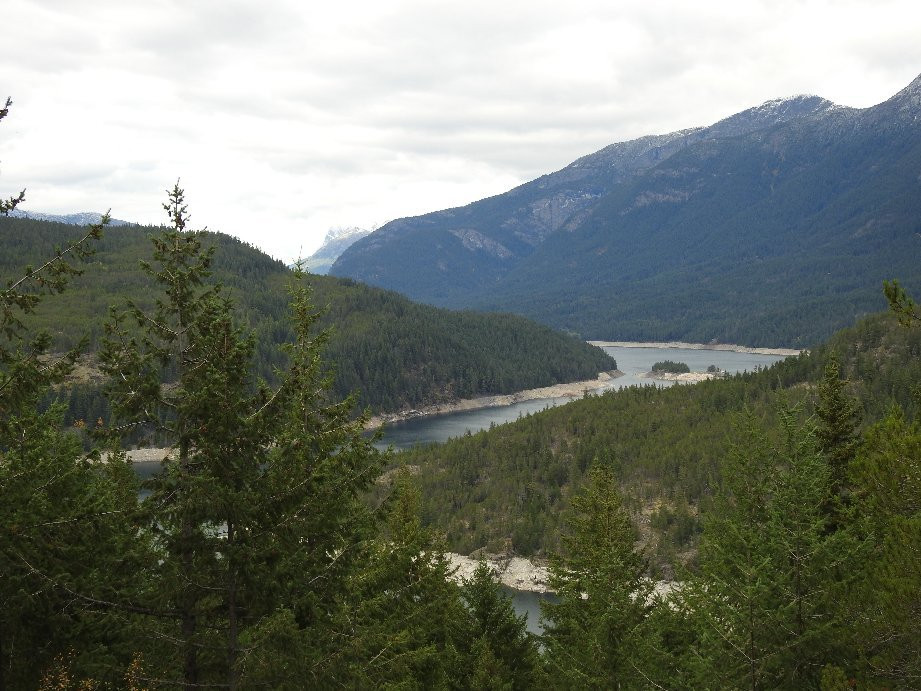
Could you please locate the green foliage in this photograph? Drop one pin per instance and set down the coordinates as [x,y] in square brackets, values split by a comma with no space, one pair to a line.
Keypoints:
[767,596]
[261,489]
[409,626]
[901,303]
[394,353]
[506,487]
[257,560]
[838,418]
[713,234]
[7,205]
[64,542]
[886,604]
[512,482]
[594,634]
[671,367]
[504,655]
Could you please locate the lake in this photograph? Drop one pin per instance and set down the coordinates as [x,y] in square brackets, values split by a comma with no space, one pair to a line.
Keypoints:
[633,362]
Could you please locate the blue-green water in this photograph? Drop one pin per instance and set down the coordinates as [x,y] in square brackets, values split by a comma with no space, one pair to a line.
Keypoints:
[633,362]
[528,603]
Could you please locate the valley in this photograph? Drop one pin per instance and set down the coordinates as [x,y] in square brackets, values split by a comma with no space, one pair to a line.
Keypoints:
[532,395]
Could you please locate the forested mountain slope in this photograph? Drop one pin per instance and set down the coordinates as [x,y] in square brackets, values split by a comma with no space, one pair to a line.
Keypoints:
[508,486]
[775,226]
[395,353]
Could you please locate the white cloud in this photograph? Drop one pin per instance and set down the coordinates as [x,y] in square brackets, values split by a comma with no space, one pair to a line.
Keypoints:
[285,118]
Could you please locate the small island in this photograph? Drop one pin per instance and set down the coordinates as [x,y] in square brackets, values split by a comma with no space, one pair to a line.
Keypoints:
[668,370]
[670,367]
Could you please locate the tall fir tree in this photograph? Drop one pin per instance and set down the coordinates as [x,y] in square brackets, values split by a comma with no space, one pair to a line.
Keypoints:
[836,432]
[62,513]
[886,603]
[255,514]
[594,635]
[503,653]
[314,532]
[767,598]
[410,621]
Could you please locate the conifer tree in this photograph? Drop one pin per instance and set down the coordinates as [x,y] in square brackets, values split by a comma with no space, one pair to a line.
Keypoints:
[62,513]
[902,304]
[410,621]
[594,634]
[314,535]
[886,479]
[502,648]
[886,604]
[150,367]
[255,514]
[7,205]
[766,599]
[837,436]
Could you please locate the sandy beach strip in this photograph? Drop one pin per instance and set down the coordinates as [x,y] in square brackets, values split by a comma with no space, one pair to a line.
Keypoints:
[699,346]
[570,390]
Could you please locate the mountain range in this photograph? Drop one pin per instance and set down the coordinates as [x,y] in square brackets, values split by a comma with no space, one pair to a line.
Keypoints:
[774,226]
[82,218]
[337,240]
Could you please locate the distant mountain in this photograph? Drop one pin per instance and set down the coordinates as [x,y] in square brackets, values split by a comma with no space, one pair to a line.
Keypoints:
[774,226]
[336,242]
[83,218]
[395,354]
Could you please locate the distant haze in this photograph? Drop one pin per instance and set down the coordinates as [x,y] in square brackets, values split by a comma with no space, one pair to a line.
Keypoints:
[285,119]
[337,240]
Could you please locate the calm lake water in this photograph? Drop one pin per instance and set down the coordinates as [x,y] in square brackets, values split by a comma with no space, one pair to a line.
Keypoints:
[528,603]
[633,362]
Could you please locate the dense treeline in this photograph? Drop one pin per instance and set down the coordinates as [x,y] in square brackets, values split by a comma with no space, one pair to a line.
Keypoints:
[256,560]
[671,367]
[767,228]
[795,489]
[507,486]
[395,353]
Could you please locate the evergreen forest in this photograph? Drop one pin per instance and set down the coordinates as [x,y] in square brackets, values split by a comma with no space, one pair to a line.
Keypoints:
[395,353]
[278,548]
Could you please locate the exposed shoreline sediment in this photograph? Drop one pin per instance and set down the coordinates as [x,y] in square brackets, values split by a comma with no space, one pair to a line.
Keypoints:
[699,346]
[569,390]
[515,572]
[522,574]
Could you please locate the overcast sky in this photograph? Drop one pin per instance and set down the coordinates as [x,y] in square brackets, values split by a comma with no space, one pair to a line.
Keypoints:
[284,119]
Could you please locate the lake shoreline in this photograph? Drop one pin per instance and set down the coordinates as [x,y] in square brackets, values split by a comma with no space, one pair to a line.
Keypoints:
[568,390]
[731,347]
[514,572]
[521,574]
